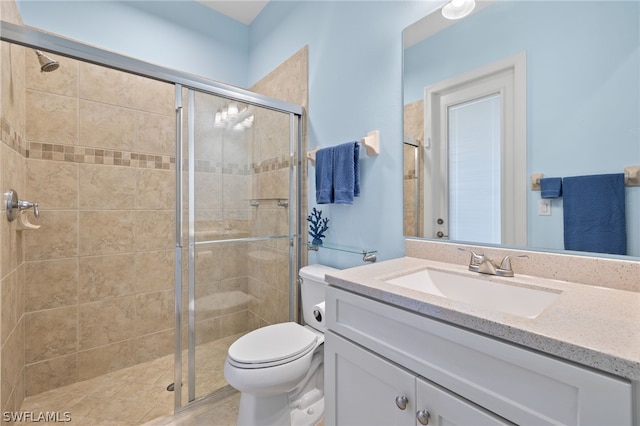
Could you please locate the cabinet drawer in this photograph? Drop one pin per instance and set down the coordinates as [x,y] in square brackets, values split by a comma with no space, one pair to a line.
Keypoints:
[520,385]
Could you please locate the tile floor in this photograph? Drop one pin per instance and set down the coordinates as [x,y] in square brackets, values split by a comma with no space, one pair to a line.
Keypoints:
[136,395]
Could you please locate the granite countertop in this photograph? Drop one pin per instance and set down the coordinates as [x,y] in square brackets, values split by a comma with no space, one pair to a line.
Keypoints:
[594,326]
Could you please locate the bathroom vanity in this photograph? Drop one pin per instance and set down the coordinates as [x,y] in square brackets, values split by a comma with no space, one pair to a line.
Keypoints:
[397,355]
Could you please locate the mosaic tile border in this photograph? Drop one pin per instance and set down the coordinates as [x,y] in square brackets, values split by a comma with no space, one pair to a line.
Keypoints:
[271,164]
[207,166]
[87,155]
[92,155]
[12,139]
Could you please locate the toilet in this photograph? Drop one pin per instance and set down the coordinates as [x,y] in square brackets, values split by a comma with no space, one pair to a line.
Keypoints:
[279,369]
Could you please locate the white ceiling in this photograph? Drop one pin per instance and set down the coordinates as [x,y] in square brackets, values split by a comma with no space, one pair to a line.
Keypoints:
[244,11]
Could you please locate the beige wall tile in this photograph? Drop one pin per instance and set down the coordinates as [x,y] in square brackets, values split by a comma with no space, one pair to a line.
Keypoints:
[53,184]
[106,187]
[155,312]
[56,238]
[50,334]
[208,330]
[13,86]
[272,184]
[51,118]
[234,323]
[153,346]
[155,189]
[12,244]
[105,277]
[106,232]
[106,321]
[208,191]
[156,134]
[155,230]
[155,96]
[51,374]
[16,398]
[12,166]
[104,85]
[209,264]
[12,362]
[51,284]
[236,190]
[106,126]
[105,359]
[154,271]
[234,260]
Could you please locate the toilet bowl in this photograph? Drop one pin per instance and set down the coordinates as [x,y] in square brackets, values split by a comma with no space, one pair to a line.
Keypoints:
[279,369]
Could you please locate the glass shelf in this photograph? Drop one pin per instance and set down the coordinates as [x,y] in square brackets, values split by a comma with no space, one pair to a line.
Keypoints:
[367,255]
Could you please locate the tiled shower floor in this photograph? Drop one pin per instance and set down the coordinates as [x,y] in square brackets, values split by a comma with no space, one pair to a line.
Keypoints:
[135,395]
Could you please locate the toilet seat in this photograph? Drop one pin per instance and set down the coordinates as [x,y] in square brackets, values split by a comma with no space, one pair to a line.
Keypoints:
[272,345]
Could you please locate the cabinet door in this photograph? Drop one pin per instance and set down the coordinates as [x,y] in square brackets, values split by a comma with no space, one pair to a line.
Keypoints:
[362,388]
[437,406]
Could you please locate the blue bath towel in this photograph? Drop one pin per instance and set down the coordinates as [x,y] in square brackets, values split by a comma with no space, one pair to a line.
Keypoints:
[346,172]
[594,213]
[324,176]
[550,187]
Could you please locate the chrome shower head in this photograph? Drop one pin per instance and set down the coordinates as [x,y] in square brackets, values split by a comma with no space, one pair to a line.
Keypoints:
[46,63]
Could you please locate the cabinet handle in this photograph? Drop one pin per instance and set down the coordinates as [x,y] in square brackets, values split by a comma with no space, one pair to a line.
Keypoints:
[423,417]
[401,402]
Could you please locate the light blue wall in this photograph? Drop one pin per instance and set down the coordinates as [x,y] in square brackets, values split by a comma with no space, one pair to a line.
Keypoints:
[355,86]
[583,86]
[355,81]
[181,35]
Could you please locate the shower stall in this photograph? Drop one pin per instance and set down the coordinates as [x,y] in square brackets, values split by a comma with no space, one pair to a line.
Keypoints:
[169,226]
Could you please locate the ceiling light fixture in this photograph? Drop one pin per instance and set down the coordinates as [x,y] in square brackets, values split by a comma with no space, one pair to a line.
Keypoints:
[457,9]
[231,118]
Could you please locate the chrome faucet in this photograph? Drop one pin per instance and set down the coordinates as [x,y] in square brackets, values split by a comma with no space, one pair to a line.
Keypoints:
[482,264]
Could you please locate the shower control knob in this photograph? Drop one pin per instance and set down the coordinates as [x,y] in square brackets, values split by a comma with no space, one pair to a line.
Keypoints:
[423,417]
[401,402]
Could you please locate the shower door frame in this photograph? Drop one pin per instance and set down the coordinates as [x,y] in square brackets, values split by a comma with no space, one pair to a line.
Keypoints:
[295,177]
[32,38]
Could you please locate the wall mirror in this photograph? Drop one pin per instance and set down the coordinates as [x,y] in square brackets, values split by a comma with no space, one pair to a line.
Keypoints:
[579,61]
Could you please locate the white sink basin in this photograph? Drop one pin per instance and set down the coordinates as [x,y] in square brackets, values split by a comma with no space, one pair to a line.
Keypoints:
[508,298]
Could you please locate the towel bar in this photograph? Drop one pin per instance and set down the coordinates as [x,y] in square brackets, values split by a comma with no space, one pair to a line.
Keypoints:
[631,178]
[371,142]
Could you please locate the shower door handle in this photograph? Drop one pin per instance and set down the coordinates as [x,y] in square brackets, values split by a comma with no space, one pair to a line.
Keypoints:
[179,150]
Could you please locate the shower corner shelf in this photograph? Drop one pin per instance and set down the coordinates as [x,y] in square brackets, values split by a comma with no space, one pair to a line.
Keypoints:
[367,255]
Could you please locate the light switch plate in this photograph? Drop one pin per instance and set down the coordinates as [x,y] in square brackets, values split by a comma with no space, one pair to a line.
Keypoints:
[544,207]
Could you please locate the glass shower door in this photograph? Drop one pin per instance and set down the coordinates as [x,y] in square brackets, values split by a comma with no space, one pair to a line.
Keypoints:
[238,204]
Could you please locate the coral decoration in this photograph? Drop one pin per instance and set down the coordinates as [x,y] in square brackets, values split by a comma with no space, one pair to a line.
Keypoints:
[317,226]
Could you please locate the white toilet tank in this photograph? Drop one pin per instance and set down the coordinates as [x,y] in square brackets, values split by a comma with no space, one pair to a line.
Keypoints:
[312,290]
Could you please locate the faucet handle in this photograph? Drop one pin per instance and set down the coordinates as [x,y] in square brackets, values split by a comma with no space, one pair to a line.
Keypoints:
[474,255]
[476,259]
[505,266]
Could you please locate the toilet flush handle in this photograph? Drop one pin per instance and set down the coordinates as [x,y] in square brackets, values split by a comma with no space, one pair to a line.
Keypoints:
[317,315]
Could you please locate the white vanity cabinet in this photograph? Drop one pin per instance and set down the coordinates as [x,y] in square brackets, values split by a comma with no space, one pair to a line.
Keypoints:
[376,353]
[370,390]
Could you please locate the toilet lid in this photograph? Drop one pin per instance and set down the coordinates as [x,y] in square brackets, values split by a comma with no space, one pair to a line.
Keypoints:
[273,344]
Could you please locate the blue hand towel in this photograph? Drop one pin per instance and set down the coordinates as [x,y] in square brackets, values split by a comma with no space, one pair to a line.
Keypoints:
[346,172]
[550,187]
[594,213]
[324,176]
